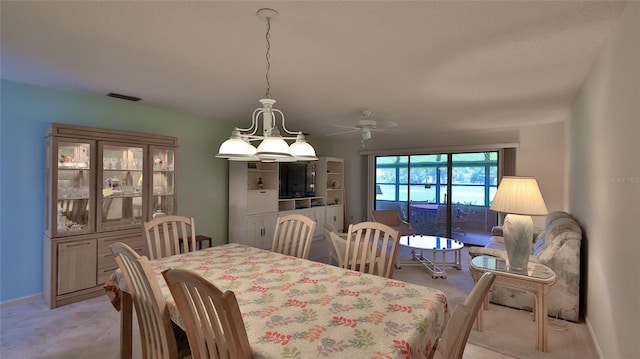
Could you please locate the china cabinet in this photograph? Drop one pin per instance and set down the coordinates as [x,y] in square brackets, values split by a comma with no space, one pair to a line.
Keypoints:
[101,185]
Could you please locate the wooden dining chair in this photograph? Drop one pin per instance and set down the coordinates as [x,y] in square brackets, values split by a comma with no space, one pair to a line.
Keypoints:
[337,243]
[160,338]
[454,339]
[293,235]
[212,319]
[371,248]
[333,251]
[169,235]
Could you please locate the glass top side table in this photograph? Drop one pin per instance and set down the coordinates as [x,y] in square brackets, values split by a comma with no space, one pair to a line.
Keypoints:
[534,270]
[537,280]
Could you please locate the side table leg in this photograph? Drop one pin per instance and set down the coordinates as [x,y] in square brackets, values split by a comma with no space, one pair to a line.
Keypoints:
[444,263]
[541,317]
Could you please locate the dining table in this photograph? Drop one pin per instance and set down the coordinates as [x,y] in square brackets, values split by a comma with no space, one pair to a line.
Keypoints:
[298,308]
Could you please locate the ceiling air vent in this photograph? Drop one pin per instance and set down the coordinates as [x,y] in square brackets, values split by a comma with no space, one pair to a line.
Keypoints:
[124,97]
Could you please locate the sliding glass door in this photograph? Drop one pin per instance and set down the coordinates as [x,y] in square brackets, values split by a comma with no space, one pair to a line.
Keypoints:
[443,194]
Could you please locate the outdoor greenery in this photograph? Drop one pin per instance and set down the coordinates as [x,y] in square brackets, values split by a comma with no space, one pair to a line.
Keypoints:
[423,178]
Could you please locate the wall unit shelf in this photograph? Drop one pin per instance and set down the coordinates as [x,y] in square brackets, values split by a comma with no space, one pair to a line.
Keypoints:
[253,208]
[331,187]
[299,203]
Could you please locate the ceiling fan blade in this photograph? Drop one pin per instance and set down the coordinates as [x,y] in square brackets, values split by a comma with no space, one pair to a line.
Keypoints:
[343,126]
[342,132]
[387,124]
[388,130]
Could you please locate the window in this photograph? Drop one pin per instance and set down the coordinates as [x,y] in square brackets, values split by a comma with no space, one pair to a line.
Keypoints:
[418,187]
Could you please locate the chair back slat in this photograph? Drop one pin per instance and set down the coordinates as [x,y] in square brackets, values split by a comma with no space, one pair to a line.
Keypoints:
[156,332]
[212,319]
[169,235]
[371,248]
[293,235]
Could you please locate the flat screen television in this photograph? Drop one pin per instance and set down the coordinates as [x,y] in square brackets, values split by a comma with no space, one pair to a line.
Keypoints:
[296,180]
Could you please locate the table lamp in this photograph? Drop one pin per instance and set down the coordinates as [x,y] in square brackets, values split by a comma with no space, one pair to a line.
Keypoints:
[519,198]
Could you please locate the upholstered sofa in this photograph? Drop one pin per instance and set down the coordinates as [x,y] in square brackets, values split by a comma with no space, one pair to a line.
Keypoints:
[557,247]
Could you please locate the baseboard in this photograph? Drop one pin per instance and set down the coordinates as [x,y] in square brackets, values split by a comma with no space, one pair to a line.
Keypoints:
[593,337]
[13,302]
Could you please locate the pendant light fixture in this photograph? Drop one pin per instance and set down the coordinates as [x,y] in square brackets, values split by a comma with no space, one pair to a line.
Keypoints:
[273,147]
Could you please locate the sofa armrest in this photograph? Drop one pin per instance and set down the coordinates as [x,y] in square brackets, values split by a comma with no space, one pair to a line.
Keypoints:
[496,231]
[482,251]
[538,233]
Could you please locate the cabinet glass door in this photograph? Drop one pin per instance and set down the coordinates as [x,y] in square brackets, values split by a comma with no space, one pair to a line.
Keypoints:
[73,179]
[163,201]
[122,189]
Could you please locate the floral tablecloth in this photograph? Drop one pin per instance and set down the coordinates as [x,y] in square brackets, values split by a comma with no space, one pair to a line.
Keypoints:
[296,308]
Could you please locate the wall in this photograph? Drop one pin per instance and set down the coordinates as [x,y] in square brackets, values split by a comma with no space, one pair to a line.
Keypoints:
[540,154]
[27,111]
[604,173]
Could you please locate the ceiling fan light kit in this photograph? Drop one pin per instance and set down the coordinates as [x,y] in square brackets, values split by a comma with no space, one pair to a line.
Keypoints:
[366,134]
[273,147]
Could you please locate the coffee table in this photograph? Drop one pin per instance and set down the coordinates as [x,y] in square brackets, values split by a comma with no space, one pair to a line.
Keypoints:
[538,280]
[435,245]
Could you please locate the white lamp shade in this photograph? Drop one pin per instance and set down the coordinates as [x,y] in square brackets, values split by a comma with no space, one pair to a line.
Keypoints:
[301,150]
[236,148]
[273,148]
[519,195]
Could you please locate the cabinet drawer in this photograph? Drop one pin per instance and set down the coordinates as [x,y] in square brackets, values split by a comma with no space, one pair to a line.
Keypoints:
[133,242]
[106,259]
[105,273]
[262,201]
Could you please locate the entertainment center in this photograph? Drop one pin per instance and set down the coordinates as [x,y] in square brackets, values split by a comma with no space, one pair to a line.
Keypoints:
[260,192]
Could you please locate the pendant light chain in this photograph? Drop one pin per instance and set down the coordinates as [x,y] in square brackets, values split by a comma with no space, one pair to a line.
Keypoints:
[268,56]
[273,147]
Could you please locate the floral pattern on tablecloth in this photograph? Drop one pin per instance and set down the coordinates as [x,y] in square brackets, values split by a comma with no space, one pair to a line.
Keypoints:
[296,308]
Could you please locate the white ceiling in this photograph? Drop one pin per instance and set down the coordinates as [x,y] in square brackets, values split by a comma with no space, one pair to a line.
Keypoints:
[432,66]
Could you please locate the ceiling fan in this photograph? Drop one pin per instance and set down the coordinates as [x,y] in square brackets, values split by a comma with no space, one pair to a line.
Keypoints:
[365,126]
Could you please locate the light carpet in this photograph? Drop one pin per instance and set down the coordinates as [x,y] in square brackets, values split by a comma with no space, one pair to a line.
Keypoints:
[507,331]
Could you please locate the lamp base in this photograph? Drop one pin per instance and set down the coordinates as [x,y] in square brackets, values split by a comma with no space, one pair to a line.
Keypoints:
[518,232]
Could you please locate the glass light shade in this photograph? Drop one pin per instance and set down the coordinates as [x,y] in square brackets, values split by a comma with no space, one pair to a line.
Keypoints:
[236,148]
[273,148]
[519,195]
[301,150]
[366,134]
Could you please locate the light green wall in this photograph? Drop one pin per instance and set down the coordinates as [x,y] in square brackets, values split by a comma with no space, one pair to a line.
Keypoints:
[26,113]
[604,191]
